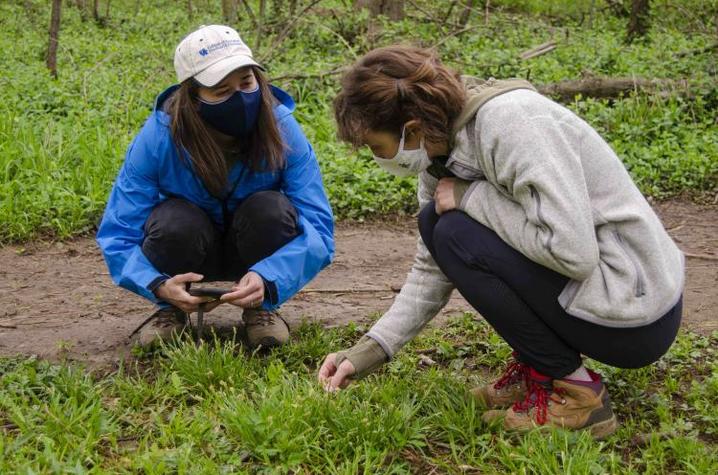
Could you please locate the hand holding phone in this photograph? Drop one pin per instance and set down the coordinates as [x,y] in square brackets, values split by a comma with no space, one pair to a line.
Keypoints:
[212,292]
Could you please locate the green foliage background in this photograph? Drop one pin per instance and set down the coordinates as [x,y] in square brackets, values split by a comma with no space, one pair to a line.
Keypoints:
[62,141]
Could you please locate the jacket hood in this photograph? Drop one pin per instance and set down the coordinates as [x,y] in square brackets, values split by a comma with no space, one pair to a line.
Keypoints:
[479,91]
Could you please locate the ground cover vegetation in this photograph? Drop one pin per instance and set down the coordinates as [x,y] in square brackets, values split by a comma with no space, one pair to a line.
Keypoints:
[216,408]
[63,139]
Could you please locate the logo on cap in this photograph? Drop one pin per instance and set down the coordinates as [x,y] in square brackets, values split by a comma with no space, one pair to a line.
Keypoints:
[203,52]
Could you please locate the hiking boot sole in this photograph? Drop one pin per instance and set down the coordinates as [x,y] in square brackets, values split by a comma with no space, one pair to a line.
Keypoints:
[599,430]
[603,429]
[268,342]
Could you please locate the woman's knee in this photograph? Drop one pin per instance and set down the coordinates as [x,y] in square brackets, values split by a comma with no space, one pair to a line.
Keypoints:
[266,211]
[263,223]
[178,237]
[177,220]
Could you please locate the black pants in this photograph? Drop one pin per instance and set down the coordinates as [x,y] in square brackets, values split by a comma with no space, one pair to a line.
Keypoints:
[519,299]
[180,237]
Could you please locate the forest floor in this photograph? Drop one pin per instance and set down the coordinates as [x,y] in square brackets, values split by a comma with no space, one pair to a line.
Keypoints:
[57,300]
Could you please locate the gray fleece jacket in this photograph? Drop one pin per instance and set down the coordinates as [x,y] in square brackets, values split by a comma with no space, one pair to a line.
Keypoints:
[552,188]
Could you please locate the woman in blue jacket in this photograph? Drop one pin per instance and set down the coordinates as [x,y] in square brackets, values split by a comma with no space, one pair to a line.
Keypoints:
[220,184]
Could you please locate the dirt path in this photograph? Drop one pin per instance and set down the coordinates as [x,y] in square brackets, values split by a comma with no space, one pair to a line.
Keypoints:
[56,299]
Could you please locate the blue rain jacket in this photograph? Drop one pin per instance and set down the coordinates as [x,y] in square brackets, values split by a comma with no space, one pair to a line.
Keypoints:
[152,172]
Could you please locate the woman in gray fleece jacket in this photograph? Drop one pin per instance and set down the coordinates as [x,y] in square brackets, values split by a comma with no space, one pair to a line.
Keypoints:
[532,217]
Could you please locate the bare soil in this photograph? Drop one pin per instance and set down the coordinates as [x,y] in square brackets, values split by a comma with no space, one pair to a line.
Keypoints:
[57,300]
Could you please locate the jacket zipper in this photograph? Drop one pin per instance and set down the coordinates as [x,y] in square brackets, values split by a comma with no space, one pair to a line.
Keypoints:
[640,285]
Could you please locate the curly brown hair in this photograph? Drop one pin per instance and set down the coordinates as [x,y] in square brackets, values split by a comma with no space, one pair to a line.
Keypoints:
[390,86]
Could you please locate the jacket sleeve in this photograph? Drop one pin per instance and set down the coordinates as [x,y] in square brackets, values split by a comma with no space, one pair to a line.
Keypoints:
[535,196]
[425,292]
[133,196]
[292,266]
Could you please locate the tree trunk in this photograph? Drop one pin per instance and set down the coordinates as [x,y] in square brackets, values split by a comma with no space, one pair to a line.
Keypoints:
[189,9]
[227,10]
[394,9]
[96,10]
[54,37]
[638,23]
[466,12]
[260,24]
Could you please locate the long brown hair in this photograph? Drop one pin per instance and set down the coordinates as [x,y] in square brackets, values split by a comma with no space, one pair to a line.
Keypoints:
[262,151]
[390,86]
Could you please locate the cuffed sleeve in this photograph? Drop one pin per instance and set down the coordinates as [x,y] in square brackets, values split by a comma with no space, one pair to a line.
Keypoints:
[366,357]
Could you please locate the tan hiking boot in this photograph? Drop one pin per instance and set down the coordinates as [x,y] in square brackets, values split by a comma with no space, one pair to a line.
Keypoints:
[265,328]
[508,389]
[569,405]
[163,325]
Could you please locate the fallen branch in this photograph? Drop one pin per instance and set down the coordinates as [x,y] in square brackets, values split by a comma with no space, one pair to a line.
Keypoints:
[599,87]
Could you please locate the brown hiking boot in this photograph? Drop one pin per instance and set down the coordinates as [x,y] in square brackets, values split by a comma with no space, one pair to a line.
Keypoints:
[569,405]
[265,328]
[508,389]
[162,325]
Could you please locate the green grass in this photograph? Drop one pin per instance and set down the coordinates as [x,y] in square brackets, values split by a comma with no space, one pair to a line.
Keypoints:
[218,409]
[62,141]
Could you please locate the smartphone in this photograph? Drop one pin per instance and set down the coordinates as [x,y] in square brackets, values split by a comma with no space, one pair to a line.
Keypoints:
[208,292]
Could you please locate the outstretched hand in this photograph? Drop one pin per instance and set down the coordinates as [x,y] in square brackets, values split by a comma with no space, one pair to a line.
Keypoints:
[334,378]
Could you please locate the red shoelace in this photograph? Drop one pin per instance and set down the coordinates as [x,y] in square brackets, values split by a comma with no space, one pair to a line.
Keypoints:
[538,396]
[514,372]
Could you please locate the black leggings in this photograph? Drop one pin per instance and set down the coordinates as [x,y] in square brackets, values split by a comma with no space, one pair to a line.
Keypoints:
[519,299]
[180,237]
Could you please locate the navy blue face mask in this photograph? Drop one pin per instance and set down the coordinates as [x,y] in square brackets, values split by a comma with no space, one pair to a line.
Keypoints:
[236,115]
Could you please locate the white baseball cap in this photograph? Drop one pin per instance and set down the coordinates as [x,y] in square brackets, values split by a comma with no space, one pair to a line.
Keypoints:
[210,54]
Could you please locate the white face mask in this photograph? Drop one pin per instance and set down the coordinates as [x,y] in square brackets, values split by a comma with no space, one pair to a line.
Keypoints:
[406,162]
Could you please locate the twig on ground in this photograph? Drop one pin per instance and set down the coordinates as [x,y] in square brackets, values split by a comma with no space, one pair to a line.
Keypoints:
[343,291]
[708,257]
[694,52]
[456,33]
[538,50]
[319,75]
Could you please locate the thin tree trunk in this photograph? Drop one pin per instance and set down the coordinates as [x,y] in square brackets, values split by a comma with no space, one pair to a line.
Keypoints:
[54,37]
[107,11]
[189,9]
[260,23]
[96,10]
[638,23]
[394,9]
[226,10]
[466,12]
